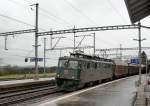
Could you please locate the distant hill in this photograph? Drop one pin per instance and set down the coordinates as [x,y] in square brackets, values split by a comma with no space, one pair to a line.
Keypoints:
[22,70]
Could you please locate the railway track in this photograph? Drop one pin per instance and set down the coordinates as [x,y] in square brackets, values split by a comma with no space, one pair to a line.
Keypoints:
[18,89]
[15,97]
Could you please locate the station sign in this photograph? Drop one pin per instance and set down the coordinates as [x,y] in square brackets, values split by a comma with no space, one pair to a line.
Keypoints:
[38,59]
[134,61]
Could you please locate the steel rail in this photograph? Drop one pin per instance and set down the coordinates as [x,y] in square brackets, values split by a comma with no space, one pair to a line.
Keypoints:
[11,98]
[23,89]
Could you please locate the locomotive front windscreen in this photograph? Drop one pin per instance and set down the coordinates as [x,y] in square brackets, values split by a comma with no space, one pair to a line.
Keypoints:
[68,69]
[72,64]
[63,63]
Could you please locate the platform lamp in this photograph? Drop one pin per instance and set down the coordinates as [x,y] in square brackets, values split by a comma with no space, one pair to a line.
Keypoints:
[139,56]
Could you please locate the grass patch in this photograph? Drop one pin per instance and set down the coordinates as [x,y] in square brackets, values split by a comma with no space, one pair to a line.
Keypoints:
[26,76]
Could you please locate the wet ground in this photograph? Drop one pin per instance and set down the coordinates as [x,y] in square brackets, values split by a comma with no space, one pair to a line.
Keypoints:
[118,93]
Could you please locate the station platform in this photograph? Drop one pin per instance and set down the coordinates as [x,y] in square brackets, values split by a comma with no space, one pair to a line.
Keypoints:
[115,93]
[15,83]
[143,95]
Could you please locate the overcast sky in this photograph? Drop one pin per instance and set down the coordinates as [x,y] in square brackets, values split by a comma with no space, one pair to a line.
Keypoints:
[64,14]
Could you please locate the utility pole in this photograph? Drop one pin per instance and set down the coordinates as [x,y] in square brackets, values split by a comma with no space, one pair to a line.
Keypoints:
[94,43]
[51,38]
[6,42]
[36,42]
[60,54]
[139,53]
[120,51]
[139,31]
[74,39]
[44,54]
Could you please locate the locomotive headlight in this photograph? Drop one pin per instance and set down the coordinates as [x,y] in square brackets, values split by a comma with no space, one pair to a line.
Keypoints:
[57,75]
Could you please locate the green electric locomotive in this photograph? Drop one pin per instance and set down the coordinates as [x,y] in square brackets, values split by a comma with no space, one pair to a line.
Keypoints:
[78,70]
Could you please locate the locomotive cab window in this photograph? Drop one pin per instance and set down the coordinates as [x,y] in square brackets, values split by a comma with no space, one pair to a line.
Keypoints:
[63,63]
[73,64]
[68,64]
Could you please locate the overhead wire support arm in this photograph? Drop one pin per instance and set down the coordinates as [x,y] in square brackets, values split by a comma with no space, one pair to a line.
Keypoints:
[64,48]
[144,26]
[56,43]
[80,42]
[114,49]
[76,30]
[17,32]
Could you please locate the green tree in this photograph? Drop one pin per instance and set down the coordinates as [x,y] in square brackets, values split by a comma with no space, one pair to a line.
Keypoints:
[143,58]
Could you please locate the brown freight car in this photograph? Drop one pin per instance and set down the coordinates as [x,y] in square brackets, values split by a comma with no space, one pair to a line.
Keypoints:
[121,68]
[133,69]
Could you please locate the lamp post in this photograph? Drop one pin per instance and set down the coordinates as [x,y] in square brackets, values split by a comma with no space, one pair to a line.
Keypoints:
[139,54]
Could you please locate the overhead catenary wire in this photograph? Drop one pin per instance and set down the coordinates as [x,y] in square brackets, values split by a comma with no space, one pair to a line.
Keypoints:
[14,19]
[19,21]
[14,55]
[51,14]
[27,52]
[54,20]
[116,10]
[29,2]
[20,4]
[81,12]
[17,49]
